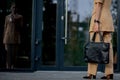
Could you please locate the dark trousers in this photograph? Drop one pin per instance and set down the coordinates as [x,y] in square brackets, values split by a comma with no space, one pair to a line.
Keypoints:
[12,51]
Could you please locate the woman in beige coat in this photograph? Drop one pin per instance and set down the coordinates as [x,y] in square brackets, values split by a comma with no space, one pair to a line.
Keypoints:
[101,20]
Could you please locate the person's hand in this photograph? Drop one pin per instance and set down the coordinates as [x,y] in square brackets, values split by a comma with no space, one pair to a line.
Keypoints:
[6,47]
[96,26]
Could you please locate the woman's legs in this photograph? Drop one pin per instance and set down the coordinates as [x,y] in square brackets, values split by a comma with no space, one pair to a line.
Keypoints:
[109,67]
[11,55]
[8,56]
[92,67]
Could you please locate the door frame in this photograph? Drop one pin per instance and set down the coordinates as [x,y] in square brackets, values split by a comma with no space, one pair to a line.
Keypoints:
[118,36]
[37,38]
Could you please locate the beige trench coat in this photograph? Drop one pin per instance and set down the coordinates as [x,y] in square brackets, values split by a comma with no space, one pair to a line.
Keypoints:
[106,21]
[106,25]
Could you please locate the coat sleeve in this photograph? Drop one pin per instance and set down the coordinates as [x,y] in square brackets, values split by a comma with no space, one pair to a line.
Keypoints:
[100,1]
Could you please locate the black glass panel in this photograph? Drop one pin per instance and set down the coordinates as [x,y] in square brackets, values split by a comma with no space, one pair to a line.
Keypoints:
[49,33]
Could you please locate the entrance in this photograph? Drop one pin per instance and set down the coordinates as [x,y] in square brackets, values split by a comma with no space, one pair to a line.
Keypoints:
[59,37]
[46,35]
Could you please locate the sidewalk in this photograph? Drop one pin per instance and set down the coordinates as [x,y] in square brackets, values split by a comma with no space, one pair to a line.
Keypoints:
[49,75]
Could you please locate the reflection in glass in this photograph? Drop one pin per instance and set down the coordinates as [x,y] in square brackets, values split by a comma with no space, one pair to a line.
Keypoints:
[77,33]
[23,55]
[11,35]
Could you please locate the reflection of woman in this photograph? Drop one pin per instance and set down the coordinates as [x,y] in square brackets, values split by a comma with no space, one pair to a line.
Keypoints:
[102,20]
[13,24]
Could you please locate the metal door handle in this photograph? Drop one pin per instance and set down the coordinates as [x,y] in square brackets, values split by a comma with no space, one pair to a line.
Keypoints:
[66,20]
[63,38]
[37,41]
[37,58]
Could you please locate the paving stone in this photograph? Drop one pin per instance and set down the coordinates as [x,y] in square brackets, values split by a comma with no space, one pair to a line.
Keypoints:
[49,75]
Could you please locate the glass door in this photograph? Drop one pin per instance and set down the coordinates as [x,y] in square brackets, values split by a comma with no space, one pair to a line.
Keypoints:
[49,20]
[75,32]
[48,44]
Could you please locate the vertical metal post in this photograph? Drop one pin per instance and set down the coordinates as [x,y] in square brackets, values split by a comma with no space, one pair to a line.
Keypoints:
[118,35]
[66,21]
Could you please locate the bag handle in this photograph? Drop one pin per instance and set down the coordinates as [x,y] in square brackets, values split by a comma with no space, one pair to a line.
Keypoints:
[100,35]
